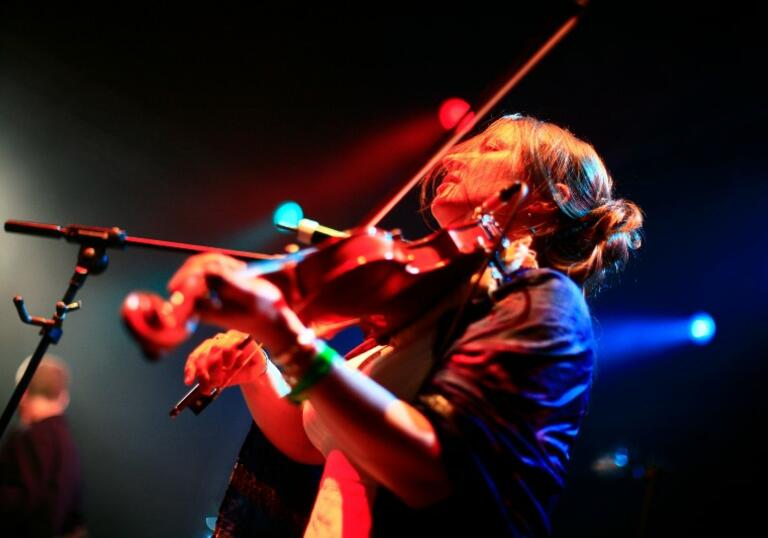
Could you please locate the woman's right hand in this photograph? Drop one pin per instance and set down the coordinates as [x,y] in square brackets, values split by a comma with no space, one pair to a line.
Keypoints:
[230,358]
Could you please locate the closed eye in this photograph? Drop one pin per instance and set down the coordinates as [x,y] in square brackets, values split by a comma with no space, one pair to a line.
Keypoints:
[490,145]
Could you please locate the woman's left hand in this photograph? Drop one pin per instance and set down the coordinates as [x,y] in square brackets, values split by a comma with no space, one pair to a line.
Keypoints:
[229,297]
[231,358]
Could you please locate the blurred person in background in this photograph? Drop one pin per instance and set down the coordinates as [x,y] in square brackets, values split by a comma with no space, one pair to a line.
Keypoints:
[40,475]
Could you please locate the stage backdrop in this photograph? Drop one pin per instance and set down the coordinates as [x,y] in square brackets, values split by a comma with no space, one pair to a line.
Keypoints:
[195,132]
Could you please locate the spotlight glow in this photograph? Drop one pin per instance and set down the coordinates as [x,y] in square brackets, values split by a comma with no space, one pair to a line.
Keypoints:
[622,338]
[288,214]
[452,111]
[621,457]
[702,328]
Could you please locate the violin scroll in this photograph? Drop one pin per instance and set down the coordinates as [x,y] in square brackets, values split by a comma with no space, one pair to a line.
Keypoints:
[158,325]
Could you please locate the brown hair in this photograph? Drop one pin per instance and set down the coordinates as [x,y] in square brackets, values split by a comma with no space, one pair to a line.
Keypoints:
[594,233]
[50,380]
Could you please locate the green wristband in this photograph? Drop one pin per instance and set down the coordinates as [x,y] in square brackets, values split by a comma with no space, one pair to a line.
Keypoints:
[320,367]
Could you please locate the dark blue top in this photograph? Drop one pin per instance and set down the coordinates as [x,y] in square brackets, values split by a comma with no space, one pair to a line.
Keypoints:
[507,403]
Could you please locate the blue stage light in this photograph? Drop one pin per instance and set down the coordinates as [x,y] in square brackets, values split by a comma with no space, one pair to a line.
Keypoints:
[702,328]
[288,214]
[621,457]
[624,338]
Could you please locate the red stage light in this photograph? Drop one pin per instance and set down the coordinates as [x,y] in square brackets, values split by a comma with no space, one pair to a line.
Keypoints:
[452,110]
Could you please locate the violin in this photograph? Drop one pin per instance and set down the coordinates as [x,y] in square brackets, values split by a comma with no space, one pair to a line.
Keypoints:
[324,284]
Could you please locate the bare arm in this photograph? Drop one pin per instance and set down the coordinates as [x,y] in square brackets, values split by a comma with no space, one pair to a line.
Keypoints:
[279,419]
[385,436]
[224,361]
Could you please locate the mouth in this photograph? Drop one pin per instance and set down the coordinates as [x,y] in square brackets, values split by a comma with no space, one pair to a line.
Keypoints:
[447,181]
[441,188]
[444,186]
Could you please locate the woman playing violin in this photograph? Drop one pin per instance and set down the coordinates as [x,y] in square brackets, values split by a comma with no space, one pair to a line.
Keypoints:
[450,424]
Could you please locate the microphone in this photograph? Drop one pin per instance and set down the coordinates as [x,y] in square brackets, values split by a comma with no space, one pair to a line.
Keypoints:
[311,232]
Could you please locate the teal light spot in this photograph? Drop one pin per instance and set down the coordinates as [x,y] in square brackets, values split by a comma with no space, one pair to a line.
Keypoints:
[288,214]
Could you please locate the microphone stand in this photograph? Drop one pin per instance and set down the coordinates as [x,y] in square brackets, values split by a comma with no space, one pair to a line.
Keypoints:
[92,259]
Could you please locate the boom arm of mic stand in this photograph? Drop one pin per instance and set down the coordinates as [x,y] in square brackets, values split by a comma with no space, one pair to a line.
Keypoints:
[92,260]
[117,238]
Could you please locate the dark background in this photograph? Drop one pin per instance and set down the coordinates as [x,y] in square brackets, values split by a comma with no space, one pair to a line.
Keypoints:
[195,130]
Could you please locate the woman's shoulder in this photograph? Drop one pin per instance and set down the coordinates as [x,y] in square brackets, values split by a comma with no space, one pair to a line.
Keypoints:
[543,299]
[546,282]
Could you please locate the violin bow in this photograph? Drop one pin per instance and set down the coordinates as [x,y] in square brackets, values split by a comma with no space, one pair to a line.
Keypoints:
[469,121]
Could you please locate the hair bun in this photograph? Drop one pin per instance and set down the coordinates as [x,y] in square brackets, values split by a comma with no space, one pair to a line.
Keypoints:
[600,244]
[616,220]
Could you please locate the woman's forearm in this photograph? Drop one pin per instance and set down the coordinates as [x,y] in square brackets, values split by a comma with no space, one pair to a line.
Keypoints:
[279,419]
[389,439]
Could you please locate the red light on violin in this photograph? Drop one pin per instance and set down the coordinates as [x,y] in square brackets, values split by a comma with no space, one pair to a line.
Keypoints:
[452,111]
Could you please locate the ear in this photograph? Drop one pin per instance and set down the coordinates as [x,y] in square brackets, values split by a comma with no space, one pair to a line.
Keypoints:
[562,193]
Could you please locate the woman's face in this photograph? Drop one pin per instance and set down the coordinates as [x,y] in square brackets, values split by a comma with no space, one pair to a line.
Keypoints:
[474,171]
